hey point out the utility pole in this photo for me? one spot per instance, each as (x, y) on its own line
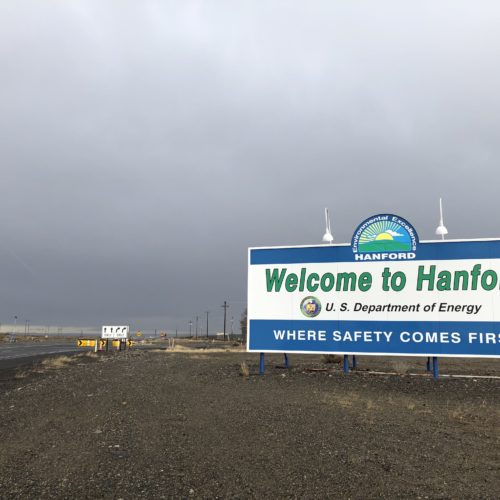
(196, 331)
(207, 323)
(225, 306)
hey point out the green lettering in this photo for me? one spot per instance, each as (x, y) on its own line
(346, 278)
(461, 275)
(386, 274)
(492, 277)
(291, 282)
(275, 280)
(476, 271)
(302, 278)
(398, 281)
(444, 281)
(365, 282)
(426, 277)
(312, 287)
(331, 281)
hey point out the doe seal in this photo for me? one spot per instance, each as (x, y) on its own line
(310, 306)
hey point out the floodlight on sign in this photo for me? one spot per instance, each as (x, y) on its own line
(327, 237)
(441, 229)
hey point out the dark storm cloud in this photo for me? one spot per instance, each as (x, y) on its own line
(145, 145)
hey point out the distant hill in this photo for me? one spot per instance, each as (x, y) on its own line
(384, 246)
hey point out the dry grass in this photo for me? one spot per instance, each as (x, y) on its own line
(55, 363)
(58, 362)
(401, 367)
(244, 370)
(462, 414)
(331, 358)
(342, 400)
(191, 350)
(364, 402)
(88, 354)
(198, 356)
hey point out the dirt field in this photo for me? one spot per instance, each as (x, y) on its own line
(167, 425)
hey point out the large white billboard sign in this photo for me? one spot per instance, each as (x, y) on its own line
(386, 293)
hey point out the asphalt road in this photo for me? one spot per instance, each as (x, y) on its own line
(17, 354)
(26, 350)
(20, 354)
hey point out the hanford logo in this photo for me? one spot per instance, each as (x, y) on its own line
(310, 306)
(385, 237)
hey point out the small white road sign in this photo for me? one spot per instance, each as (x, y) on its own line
(115, 332)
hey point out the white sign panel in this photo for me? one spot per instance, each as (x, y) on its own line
(115, 332)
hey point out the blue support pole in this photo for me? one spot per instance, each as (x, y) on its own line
(354, 362)
(428, 364)
(435, 367)
(346, 363)
(261, 364)
(286, 360)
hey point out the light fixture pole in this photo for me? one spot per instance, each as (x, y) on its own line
(441, 229)
(207, 322)
(327, 237)
(196, 331)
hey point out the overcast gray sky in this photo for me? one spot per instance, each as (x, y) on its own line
(144, 145)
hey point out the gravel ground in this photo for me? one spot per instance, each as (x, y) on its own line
(158, 424)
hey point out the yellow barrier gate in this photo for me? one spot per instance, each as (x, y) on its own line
(102, 344)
